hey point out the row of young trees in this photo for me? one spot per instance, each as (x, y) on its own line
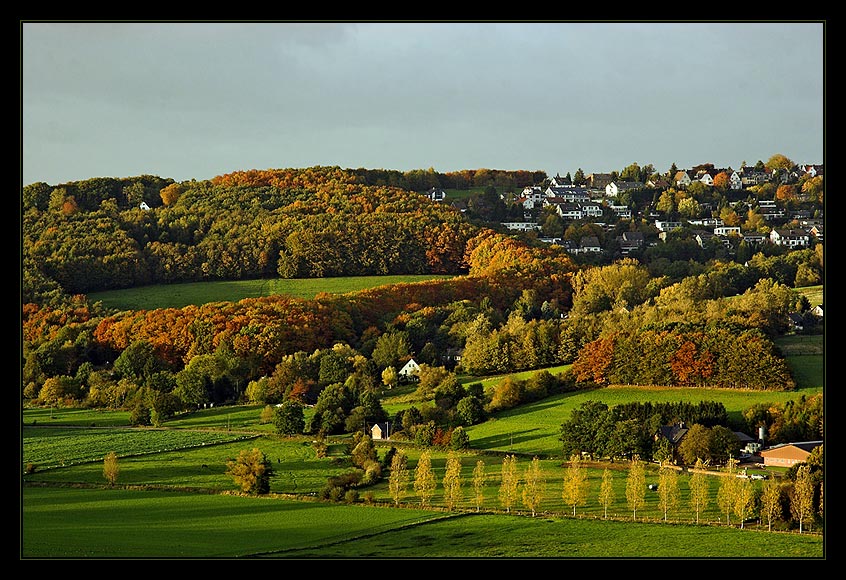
(737, 498)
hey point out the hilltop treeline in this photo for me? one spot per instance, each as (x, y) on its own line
(93, 235)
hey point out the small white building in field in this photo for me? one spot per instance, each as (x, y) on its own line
(380, 431)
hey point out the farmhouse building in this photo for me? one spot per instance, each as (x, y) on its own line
(788, 454)
(380, 431)
(410, 371)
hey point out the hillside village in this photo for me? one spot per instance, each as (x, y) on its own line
(724, 206)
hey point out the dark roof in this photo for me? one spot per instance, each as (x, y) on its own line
(589, 242)
(672, 432)
(743, 437)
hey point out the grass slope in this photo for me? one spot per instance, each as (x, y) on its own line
(198, 293)
(104, 523)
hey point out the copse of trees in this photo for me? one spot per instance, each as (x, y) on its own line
(630, 429)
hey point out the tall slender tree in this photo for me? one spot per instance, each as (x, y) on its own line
(668, 489)
(399, 479)
(802, 498)
(771, 502)
(744, 501)
(636, 486)
(424, 479)
(452, 481)
(575, 484)
(700, 489)
(479, 479)
(533, 486)
(727, 492)
(509, 482)
(606, 492)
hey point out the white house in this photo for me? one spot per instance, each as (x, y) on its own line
(521, 226)
(790, 238)
(667, 226)
(380, 431)
(615, 188)
(410, 371)
(727, 231)
(735, 180)
(682, 179)
(144, 206)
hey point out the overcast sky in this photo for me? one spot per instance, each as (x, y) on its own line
(195, 100)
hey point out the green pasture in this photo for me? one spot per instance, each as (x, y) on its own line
(199, 293)
(108, 523)
(298, 471)
(501, 536)
(188, 465)
(813, 293)
(104, 523)
(46, 447)
(534, 428)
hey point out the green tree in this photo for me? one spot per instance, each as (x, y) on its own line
(533, 486)
(700, 491)
(636, 486)
(452, 481)
(289, 418)
(251, 471)
(696, 445)
(390, 378)
(606, 492)
(771, 502)
(728, 490)
(111, 469)
(668, 489)
(745, 500)
(509, 482)
(479, 480)
(802, 497)
(424, 478)
(575, 491)
(399, 478)
(392, 349)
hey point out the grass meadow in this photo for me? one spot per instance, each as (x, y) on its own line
(199, 293)
(173, 498)
(108, 523)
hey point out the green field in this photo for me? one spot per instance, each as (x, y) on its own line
(156, 524)
(76, 518)
(813, 293)
(198, 293)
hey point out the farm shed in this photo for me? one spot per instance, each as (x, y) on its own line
(381, 431)
(788, 454)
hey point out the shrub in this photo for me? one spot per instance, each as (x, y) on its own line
(351, 496)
